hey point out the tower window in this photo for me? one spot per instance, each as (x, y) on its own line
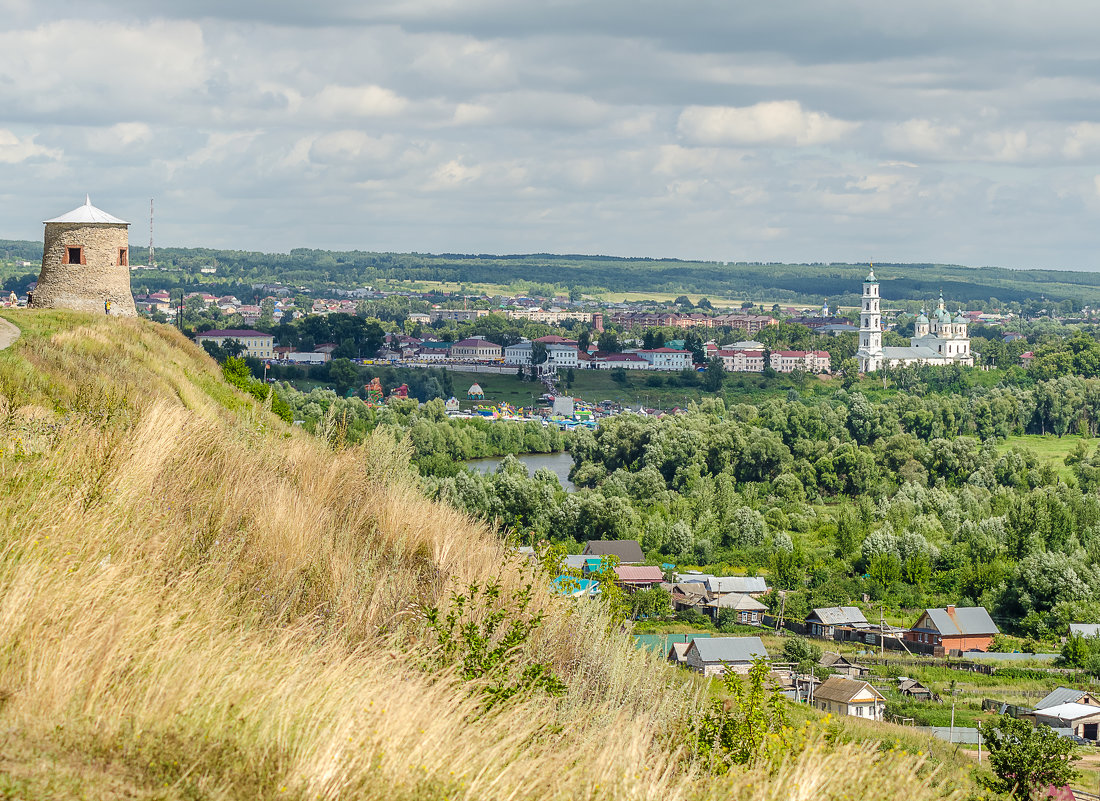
(124, 257)
(74, 256)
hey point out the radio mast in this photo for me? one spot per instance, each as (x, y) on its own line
(152, 263)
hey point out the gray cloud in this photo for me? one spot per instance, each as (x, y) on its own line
(804, 131)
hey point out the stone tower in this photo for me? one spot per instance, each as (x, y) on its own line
(85, 263)
(869, 354)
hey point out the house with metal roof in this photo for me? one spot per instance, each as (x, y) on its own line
(1082, 719)
(628, 551)
(714, 656)
(1085, 629)
(745, 585)
(824, 621)
(1067, 695)
(840, 696)
(967, 628)
(746, 609)
(638, 577)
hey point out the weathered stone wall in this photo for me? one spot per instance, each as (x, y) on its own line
(85, 287)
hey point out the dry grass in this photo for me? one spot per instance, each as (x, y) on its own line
(198, 602)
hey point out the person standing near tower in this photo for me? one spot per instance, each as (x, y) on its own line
(107, 307)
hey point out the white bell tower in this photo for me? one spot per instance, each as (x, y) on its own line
(869, 354)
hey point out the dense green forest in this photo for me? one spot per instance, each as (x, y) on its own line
(320, 271)
(908, 499)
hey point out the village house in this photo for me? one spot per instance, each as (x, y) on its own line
(1068, 695)
(967, 628)
(638, 577)
(628, 551)
(841, 696)
(713, 656)
(824, 622)
(1067, 708)
(911, 688)
(741, 585)
(1085, 629)
(677, 654)
(842, 666)
(692, 595)
(747, 609)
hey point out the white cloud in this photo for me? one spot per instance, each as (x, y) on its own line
(14, 150)
(349, 145)
(922, 137)
(534, 109)
(634, 124)
(471, 114)
(1081, 140)
(780, 122)
(91, 69)
(453, 174)
(119, 137)
(608, 127)
(359, 101)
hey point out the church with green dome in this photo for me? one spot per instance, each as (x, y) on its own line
(938, 339)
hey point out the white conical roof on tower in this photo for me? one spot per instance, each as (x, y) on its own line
(88, 214)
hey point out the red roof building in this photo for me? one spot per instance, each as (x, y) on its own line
(639, 576)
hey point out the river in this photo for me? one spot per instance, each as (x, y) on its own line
(558, 463)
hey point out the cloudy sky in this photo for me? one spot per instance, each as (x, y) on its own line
(788, 131)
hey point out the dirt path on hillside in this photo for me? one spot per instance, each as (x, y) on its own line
(8, 333)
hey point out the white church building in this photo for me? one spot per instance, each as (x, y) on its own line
(939, 340)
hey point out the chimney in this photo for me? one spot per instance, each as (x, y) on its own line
(951, 610)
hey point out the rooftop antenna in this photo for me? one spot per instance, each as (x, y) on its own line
(152, 263)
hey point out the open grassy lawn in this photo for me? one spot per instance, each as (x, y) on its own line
(660, 390)
(506, 388)
(1049, 448)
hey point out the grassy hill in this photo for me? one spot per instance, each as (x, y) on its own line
(199, 602)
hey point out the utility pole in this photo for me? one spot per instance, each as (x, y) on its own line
(881, 632)
(951, 736)
(152, 262)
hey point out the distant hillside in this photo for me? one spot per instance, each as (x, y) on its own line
(321, 270)
(199, 601)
